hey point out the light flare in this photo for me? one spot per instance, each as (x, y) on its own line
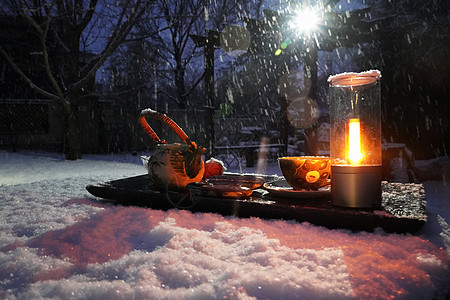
(306, 19)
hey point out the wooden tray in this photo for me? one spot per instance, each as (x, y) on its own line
(403, 205)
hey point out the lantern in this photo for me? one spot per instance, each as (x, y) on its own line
(355, 139)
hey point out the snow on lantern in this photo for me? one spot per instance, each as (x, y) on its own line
(355, 139)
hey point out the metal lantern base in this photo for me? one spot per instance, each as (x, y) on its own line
(356, 186)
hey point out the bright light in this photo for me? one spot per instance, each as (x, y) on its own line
(354, 142)
(306, 20)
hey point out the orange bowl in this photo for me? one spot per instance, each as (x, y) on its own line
(306, 172)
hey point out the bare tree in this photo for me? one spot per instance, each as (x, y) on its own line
(180, 60)
(69, 26)
(174, 21)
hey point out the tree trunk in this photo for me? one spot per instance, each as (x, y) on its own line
(181, 88)
(73, 141)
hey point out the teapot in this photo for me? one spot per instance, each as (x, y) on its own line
(172, 166)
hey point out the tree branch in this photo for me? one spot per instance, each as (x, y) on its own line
(195, 84)
(174, 99)
(26, 78)
(121, 31)
(88, 16)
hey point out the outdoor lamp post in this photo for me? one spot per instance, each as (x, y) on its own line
(355, 139)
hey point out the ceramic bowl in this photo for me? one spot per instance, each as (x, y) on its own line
(306, 172)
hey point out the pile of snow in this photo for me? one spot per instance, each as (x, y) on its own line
(58, 241)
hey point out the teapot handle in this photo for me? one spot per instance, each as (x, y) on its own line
(165, 119)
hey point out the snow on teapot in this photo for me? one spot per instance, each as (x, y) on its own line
(172, 165)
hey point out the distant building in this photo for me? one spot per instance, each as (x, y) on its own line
(27, 119)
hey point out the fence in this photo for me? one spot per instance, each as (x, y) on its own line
(107, 127)
(31, 124)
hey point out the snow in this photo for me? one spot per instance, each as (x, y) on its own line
(58, 241)
(369, 73)
(349, 5)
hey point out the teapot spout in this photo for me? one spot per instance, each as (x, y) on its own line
(194, 163)
(145, 160)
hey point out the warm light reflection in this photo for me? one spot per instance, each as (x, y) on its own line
(355, 155)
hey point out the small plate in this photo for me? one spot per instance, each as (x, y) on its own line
(225, 186)
(218, 190)
(281, 188)
(247, 181)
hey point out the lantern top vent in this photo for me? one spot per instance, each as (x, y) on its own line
(354, 79)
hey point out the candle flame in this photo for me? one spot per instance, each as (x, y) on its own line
(355, 155)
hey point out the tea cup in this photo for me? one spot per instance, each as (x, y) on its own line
(306, 172)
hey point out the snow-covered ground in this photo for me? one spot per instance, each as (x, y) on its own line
(58, 241)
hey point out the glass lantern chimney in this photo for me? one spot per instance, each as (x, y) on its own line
(355, 139)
